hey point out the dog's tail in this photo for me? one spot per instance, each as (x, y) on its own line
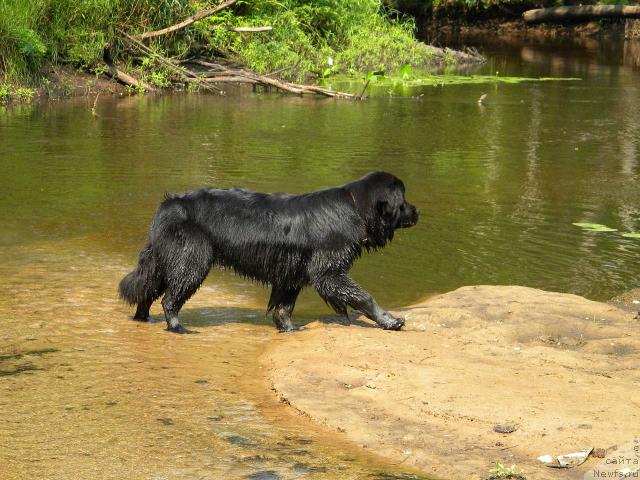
(144, 283)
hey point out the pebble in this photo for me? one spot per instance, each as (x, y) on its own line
(504, 428)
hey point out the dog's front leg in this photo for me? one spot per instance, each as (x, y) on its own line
(282, 302)
(339, 291)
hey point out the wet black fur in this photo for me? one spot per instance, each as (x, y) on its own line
(287, 241)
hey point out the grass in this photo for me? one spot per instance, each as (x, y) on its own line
(13, 92)
(71, 31)
(21, 47)
(502, 472)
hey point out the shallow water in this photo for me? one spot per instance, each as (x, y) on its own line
(87, 393)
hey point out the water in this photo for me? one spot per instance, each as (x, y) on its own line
(86, 393)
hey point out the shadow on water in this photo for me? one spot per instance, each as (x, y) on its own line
(215, 317)
(23, 365)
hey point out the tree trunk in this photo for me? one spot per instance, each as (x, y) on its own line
(579, 12)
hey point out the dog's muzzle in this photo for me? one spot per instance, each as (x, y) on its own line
(409, 217)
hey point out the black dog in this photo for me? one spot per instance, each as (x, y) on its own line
(288, 241)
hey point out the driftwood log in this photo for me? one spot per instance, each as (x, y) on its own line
(121, 76)
(581, 12)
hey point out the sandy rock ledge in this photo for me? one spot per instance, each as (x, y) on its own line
(565, 371)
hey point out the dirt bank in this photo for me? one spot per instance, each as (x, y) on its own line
(561, 369)
(515, 30)
(454, 24)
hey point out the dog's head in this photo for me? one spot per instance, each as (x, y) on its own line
(379, 197)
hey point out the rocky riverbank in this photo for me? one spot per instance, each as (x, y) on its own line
(557, 368)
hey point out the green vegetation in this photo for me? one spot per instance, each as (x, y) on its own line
(502, 472)
(597, 227)
(74, 31)
(355, 34)
(408, 83)
(12, 92)
(594, 227)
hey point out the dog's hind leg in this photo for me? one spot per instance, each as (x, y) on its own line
(187, 258)
(339, 291)
(144, 285)
(142, 310)
(282, 302)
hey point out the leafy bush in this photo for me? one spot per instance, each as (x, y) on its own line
(21, 47)
(73, 30)
(357, 34)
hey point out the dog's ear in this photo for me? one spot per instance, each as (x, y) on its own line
(386, 210)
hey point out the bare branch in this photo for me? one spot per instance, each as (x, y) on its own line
(187, 21)
(236, 75)
(249, 29)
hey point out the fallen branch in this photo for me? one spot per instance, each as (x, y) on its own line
(495, 448)
(364, 89)
(280, 70)
(222, 74)
(93, 107)
(231, 79)
(580, 12)
(237, 75)
(188, 21)
(185, 73)
(203, 63)
(218, 73)
(249, 29)
(121, 76)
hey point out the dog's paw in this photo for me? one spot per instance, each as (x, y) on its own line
(180, 329)
(393, 323)
(292, 329)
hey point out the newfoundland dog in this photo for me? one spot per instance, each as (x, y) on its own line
(287, 241)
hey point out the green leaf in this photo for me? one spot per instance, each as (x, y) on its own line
(631, 235)
(595, 227)
(406, 72)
